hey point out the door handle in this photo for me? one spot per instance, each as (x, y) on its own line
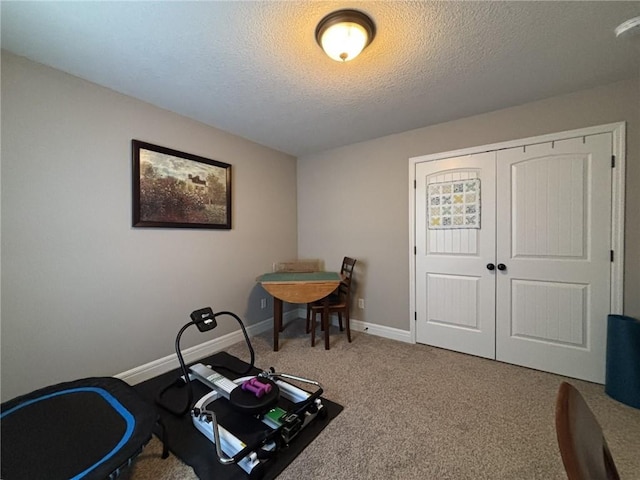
(502, 267)
(490, 266)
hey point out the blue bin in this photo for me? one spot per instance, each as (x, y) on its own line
(622, 381)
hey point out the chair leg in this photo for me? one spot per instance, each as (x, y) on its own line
(313, 328)
(308, 318)
(340, 321)
(346, 320)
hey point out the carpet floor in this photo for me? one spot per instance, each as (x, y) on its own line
(418, 412)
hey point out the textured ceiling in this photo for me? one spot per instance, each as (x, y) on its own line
(254, 69)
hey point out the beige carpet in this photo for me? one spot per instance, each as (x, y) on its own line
(417, 412)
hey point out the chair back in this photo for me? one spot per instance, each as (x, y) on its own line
(344, 289)
(347, 267)
(583, 448)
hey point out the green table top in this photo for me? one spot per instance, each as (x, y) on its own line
(300, 277)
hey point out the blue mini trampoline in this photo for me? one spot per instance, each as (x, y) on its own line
(85, 429)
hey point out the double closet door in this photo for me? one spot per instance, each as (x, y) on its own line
(512, 258)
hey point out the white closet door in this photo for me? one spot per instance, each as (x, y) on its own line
(455, 292)
(554, 238)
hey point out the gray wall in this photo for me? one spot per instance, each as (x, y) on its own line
(84, 293)
(355, 200)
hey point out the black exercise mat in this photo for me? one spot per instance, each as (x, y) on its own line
(194, 449)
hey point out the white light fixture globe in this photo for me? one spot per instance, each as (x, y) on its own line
(344, 34)
(628, 28)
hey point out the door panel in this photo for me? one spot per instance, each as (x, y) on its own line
(452, 300)
(455, 293)
(553, 235)
(550, 182)
(561, 305)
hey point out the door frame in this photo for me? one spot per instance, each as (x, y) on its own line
(618, 132)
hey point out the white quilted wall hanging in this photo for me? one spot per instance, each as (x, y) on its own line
(454, 204)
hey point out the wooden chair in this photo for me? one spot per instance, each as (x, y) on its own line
(583, 448)
(339, 302)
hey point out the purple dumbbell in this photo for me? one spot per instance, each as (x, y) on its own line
(256, 387)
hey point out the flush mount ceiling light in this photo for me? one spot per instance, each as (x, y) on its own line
(344, 34)
(628, 28)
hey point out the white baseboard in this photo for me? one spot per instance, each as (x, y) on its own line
(170, 362)
(381, 331)
(372, 328)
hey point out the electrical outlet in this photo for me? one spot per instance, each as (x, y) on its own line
(263, 303)
(361, 303)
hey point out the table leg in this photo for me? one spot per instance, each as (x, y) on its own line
(277, 321)
(325, 321)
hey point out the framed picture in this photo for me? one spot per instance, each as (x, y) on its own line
(179, 190)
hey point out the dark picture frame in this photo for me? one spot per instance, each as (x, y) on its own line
(174, 189)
